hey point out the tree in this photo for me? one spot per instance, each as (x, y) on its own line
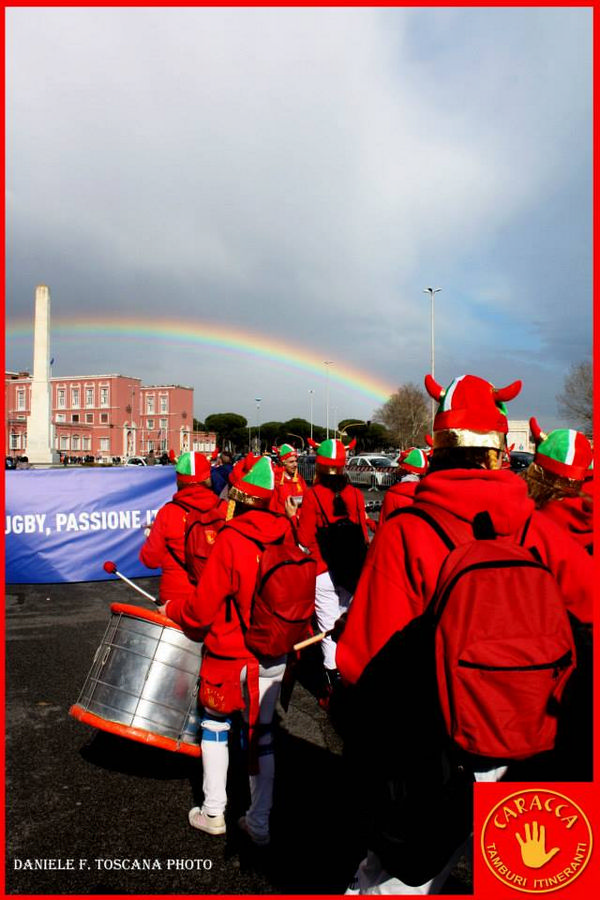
(199, 426)
(406, 416)
(225, 425)
(576, 402)
(369, 435)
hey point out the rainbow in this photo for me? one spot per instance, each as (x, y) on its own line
(230, 340)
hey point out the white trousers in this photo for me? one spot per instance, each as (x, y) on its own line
(215, 752)
(372, 878)
(330, 603)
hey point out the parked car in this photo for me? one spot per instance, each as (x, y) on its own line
(520, 460)
(374, 470)
(135, 461)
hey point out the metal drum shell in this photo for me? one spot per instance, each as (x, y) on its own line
(143, 682)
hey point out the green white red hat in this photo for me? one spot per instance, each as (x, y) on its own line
(331, 454)
(471, 412)
(564, 451)
(192, 468)
(286, 450)
(257, 486)
(414, 460)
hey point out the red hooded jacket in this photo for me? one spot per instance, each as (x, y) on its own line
(168, 531)
(576, 515)
(310, 516)
(400, 494)
(286, 486)
(404, 560)
(231, 570)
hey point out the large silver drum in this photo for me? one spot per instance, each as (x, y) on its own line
(143, 683)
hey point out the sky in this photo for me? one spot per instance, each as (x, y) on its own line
(227, 198)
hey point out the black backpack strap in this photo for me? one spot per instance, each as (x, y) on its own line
(525, 530)
(426, 517)
(321, 507)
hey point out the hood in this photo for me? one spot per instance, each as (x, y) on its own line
(197, 497)
(261, 525)
(465, 492)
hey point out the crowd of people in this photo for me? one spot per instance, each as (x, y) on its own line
(378, 616)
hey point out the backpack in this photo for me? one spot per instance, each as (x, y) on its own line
(502, 643)
(344, 549)
(283, 602)
(202, 528)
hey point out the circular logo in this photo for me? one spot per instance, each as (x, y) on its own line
(536, 840)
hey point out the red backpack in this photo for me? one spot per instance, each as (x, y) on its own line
(284, 599)
(201, 532)
(504, 646)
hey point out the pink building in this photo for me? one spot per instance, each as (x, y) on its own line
(106, 416)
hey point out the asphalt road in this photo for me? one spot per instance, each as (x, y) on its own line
(92, 813)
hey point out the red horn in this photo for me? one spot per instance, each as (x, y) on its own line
(352, 444)
(538, 434)
(312, 443)
(509, 392)
(434, 389)
(429, 440)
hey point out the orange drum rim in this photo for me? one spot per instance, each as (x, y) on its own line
(141, 735)
(138, 612)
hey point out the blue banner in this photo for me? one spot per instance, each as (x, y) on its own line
(62, 525)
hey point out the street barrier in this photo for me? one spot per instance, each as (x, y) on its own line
(61, 525)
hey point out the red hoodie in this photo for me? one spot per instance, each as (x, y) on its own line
(230, 571)
(576, 515)
(400, 494)
(168, 531)
(404, 561)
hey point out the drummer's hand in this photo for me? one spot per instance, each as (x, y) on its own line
(163, 609)
(290, 508)
(338, 629)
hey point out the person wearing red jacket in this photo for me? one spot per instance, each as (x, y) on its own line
(401, 572)
(330, 499)
(556, 480)
(288, 480)
(232, 678)
(411, 466)
(165, 546)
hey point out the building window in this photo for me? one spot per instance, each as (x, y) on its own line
(103, 396)
(21, 399)
(164, 404)
(89, 396)
(15, 443)
(89, 417)
(75, 417)
(85, 443)
(105, 444)
(103, 418)
(149, 403)
(150, 424)
(60, 417)
(62, 398)
(164, 424)
(75, 442)
(75, 398)
(64, 442)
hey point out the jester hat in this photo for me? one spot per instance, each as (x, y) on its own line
(564, 451)
(471, 412)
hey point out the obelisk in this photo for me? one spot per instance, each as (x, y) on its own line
(39, 425)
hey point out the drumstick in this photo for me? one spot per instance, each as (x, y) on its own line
(312, 640)
(111, 567)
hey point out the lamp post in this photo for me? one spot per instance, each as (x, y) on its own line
(327, 363)
(311, 395)
(432, 292)
(258, 402)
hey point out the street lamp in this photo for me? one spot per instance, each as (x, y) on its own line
(327, 363)
(311, 395)
(258, 402)
(432, 292)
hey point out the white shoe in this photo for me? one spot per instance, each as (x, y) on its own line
(261, 840)
(203, 822)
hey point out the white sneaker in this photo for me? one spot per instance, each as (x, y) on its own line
(203, 822)
(261, 840)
